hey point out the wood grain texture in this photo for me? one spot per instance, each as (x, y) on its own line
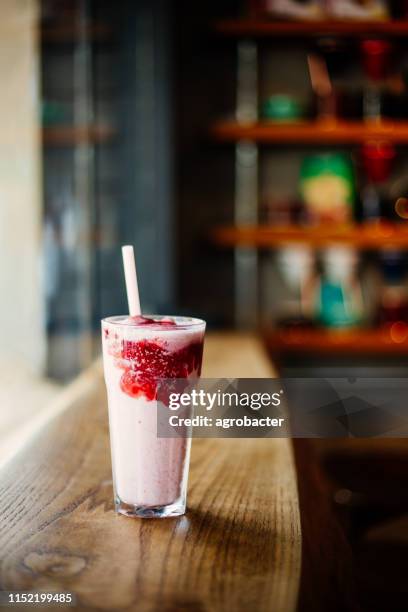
(236, 355)
(237, 548)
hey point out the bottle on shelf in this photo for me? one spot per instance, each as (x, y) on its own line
(377, 159)
(307, 10)
(282, 107)
(295, 9)
(393, 306)
(327, 101)
(335, 94)
(340, 302)
(376, 58)
(327, 188)
(297, 267)
(357, 10)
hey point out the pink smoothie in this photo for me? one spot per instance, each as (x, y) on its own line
(147, 470)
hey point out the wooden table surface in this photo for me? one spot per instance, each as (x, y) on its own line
(239, 547)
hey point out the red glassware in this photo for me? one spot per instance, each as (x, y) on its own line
(378, 157)
(376, 58)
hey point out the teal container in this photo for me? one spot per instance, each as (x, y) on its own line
(340, 299)
(281, 107)
(335, 311)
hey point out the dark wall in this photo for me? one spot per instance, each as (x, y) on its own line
(204, 78)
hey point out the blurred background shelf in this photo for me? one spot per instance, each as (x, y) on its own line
(71, 33)
(392, 340)
(334, 133)
(359, 236)
(73, 135)
(264, 27)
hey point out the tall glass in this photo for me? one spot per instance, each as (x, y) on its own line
(149, 473)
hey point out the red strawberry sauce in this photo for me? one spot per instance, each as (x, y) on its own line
(146, 361)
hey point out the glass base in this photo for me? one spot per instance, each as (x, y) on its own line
(141, 511)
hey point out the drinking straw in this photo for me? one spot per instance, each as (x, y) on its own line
(132, 289)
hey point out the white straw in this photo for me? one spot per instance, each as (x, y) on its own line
(132, 289)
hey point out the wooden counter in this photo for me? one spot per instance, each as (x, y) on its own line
(239, 547)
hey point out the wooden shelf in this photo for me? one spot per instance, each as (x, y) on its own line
(315, 133)
(71, 135)
(370, 236)
(69, 33)
(357, 341)
(270, 28)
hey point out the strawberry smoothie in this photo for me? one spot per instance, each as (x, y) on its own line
(149, 473)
